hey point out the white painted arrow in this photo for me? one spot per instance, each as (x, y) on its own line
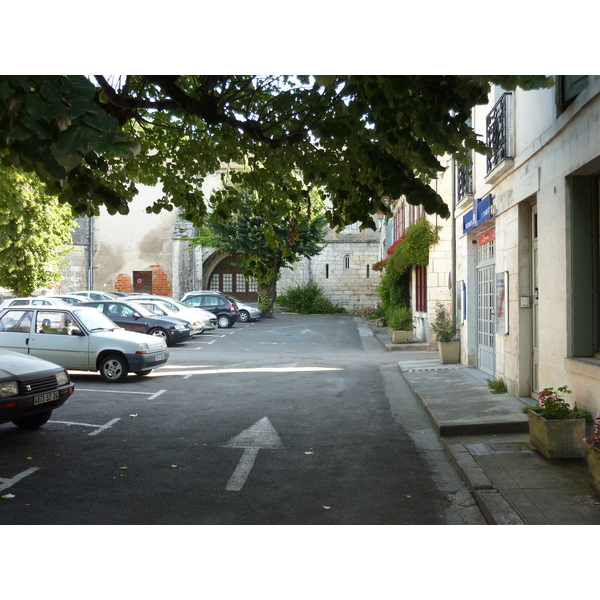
(261, 435)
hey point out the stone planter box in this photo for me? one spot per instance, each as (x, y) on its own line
(401, 337)
(593, 464)
(449, 352)
(557, 439)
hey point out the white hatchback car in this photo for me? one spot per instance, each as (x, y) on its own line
(209, 320)
(37, 301)
(80, 338)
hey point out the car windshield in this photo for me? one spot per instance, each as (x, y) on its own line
(93, 319)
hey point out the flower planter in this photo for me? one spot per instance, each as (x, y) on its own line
(557, 439)
(593, 464)
(401, 337)
(449, 352)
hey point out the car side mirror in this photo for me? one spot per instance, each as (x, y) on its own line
(77, 331)
(136, 315)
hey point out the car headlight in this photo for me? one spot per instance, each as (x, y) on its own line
(8, 388)
(62, 378)
(180, 327)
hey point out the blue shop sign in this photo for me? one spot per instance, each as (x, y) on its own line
(480, 213)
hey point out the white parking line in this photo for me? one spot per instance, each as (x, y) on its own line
(100, 428)
(157, 394)
(8, 482)
(80, 389)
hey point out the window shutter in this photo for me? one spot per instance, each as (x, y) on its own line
(584, 247)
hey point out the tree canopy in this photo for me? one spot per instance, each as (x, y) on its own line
(263, 248)
(35, 233)
(357, 138)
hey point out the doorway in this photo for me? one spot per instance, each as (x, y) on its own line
(142, 282)
(486, 288)
(534, 303)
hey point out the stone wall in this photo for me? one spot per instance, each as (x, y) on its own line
(342, 269)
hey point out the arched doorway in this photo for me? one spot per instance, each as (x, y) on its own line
(228, 278)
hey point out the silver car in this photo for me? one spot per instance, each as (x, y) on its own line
(209, 321)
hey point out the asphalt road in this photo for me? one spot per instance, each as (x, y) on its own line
(293, 420)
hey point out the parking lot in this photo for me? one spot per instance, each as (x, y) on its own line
(280, 421)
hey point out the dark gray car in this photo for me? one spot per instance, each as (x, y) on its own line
(30, 389)
(134, 317)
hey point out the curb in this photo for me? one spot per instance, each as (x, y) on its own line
(495, 508)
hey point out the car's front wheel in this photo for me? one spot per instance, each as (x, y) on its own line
(113, 368)
(161, 333)
(33, 421)
(224, 321)
(244, 316)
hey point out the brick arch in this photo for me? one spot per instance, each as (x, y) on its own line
(161, 284)
(123, 283)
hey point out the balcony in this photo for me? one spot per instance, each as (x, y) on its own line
(498, 139)
(464, 183)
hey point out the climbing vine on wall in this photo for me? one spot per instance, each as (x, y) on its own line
(410, 250)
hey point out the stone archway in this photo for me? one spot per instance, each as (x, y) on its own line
(228, 278)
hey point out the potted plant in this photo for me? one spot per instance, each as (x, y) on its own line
(592, 449)
(400, 324)
(555, 428)
(444, 328)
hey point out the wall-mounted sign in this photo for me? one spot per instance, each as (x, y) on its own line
(480, 213)
(461, 302)
(502, 303)
(485, 238)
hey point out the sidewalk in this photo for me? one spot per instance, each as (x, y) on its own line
(487, 438)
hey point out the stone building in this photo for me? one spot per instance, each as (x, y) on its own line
(528, 241)
(151, 253)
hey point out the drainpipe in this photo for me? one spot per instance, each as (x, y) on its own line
(91, 256)
(453, 289)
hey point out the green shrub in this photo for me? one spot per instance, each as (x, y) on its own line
(442, 325)
(308, 299)
(399, 318)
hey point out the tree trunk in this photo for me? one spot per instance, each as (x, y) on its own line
(271, 290)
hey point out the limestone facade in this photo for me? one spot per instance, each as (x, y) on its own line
(536, 263)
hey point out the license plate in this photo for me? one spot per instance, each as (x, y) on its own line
(159, 357)
(42, 398)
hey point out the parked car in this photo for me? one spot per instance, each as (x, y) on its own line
(38, 301)
(249, 311)
(81, 338)
(209, 320)
(71, 300)
(226, 310)
(92, 295)
(30, 389)
(162, 309)
(134, 317)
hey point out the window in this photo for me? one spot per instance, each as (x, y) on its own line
(368, 271)
(326, 271)
(399, 227)
(568, 87)
(421, 289)
(227, 282)
(585, 271)
(346, 262)
(16, 320)
(54, 323)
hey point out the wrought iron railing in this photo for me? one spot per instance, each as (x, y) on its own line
(498, 132)
(464, 181)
